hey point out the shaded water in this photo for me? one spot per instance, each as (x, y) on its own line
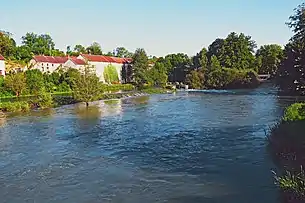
(184, 147)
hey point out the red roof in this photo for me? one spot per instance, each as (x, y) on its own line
(77, 61)
(1, 58)
(109, 59)
(51, 59)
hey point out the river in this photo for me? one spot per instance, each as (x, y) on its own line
(184, 147)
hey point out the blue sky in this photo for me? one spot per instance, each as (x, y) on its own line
(159, 26)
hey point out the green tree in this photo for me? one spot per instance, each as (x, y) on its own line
(34, 81)
(95, 49)
(271, 57)
(237, 52)
(23, 53)
(79, 49)
(110, 74)
(291, 74)
(201, 59)
(87, 86)
(215, 48)
(140, 67)
(157, 75)
(122, 52)
(7, 44)
(39, 44)
(16, 83)
(214, 64)
(195, 79)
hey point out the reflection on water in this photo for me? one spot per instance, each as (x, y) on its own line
(186, 147)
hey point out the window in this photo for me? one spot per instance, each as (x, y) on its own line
(52, 64)
(47, 68)
(0, 72)
(47, 64)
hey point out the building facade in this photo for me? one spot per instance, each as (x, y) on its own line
(2, 66)
(104, 65)
(101, 63)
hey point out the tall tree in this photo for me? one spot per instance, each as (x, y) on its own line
(7, 44)
(39, 44)
(79, 49)
(34, 81)
(140, 67)
(95, 49)
(215, 48)
(16, 83)
(271, 57)
(291, 75)
(87, 87)
(157, 75)
(122, 52)
(237, 52)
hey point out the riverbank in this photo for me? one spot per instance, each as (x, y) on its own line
(42, 101)
(286, 144)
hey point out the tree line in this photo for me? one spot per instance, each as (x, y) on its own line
(230, 62)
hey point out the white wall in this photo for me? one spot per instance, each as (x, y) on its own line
(44, 66)
(2, 67)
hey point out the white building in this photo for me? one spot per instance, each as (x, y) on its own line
(47, 63)
(2, 66)
(101, 62)
(74, 62)
(52, 63)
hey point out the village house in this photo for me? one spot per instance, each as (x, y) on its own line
(47, 63)
(52, 63)
(2, 66)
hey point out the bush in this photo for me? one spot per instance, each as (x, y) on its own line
(15, 106)
(43, 100)
(295, 112)
(228, 78)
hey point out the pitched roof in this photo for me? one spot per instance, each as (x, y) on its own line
(77, 61)
(51, 59)
(109, 59)
(1, 58)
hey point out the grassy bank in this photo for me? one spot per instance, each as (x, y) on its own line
(286, 144)
(47, 100)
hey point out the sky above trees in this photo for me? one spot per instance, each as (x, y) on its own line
(159, 26)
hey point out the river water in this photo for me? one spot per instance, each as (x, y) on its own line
(185, 147)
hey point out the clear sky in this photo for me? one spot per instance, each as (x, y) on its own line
(159, 26)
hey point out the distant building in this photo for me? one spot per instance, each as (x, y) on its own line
(101, 62)
(47, 63)
(2, 66)
(74, 62)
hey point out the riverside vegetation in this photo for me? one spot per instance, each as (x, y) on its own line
(286, 141)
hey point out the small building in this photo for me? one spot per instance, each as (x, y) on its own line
(2, 66)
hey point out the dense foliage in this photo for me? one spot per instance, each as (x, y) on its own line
(291, 78)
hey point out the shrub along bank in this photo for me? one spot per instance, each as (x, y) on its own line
(286, 144)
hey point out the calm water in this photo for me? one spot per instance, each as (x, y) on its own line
(184, 147)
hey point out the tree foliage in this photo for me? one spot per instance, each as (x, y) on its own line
(110, 74)
(140, 67)
(271, 56)
(291, 74)
(95, 49)
(87, 86)
(16, 83)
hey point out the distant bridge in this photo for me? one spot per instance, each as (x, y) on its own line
(264, 78)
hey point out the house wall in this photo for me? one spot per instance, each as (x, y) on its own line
(2, 67)
(44, 66)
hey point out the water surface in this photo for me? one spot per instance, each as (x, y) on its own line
(185, 147)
